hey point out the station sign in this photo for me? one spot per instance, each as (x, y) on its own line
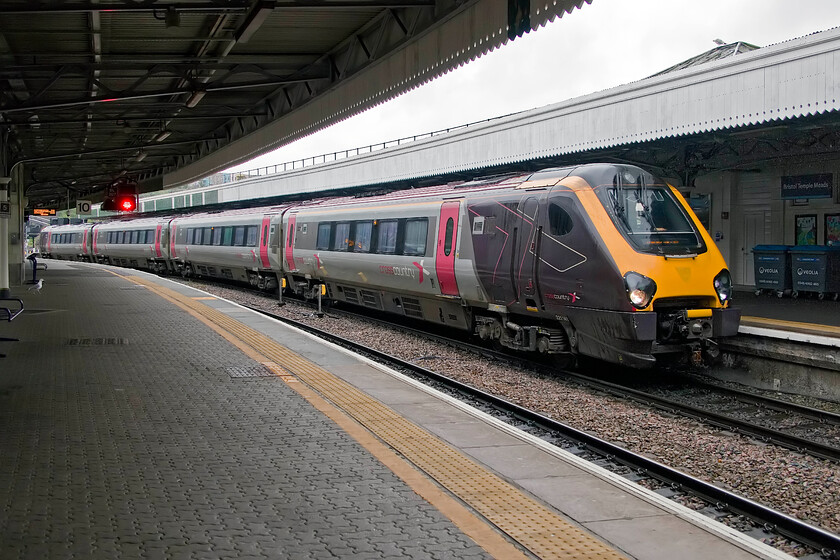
(5, 209)
(83, 207)
(808, 186)
(44, 212)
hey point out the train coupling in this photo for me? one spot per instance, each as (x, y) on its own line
(696, 323)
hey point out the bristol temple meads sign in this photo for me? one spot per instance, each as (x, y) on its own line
(808, 186)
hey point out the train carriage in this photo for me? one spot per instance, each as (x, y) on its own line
(380, 253)
(238, 245)
(136, 243)
(71, 242)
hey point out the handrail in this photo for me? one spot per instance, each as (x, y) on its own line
(10, 316)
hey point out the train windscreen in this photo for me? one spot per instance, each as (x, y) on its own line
(649, 216)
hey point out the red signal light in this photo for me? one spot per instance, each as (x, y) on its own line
(127, 203)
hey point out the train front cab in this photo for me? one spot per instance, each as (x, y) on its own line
(666, 289)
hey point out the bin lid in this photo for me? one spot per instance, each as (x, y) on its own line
(771, 248)
(815, 249)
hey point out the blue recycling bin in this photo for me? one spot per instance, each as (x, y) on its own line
(772, 268)
(815, 268)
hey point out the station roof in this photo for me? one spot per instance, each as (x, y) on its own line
(168, 91)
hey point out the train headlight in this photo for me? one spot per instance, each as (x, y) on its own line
(723, 286)
(640, 289)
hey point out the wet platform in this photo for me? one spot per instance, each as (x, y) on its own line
(140, 418)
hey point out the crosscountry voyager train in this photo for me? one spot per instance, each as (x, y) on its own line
(597, 260)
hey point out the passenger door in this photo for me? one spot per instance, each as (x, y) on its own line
(526, 249)
(446, 250)
(290, 243)
(264, 229)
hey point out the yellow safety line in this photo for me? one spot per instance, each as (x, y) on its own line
(811, 328)
(537, 528)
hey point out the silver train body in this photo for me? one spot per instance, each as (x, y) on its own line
(599, 260)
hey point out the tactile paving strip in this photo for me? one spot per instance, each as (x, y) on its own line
(537, 528)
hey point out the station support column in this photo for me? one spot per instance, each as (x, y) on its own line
(5, 241)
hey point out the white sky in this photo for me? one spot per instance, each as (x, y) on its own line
(603, 45)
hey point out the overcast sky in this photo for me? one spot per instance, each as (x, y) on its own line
(605, 44)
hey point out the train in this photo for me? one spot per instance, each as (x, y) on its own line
(603, 261)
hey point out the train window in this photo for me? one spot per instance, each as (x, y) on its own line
(227, 236)
(415, 237)
(386, 237)
(364, 231)
(324, 234)
(207, 238)
(150, 236)
(132, 236)
(341, 236)
(239, 236)
(251, 238)
(120, 237)
(265, 236)
(559, 221)
(447, 238)
(217, 236)
(198, 233)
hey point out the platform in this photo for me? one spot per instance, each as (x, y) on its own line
(143, 418)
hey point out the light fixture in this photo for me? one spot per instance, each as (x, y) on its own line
(195, 98)
(141, 155)
(164, 134)
(173, 18)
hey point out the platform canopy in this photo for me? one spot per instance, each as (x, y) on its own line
(169, 91)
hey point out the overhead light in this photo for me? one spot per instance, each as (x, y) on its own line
(173, 18)
(164, 134)
(141, 155)
(195, 98)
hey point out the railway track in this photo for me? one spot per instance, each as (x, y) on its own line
(751, 517)
(796, 427)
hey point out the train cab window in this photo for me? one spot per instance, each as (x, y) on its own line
(447, 238)
(415, 237)
(559, 221)
(324, 235)
(386, 237)
(362, 237)
(251, 237)
(217, 236)
(239, 236)
(341, 236)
